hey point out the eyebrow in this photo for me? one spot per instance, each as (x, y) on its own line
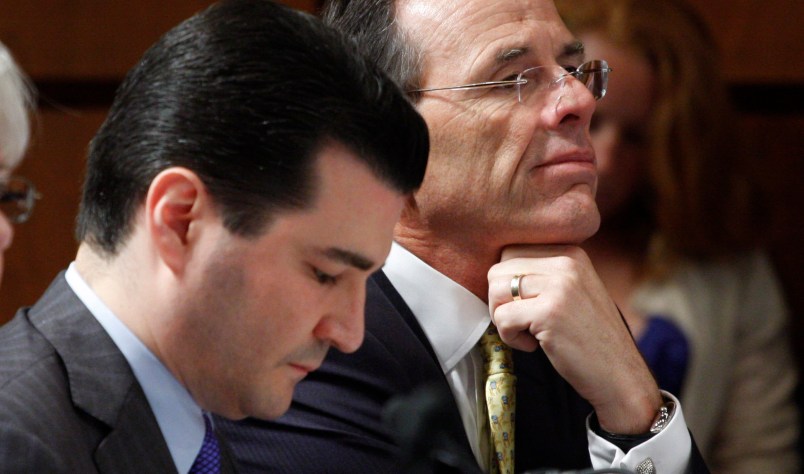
(508, 55)
(348, 257)
(571, 49)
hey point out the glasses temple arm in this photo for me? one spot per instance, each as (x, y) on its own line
(477, 85)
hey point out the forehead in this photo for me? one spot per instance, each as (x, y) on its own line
(480, 32)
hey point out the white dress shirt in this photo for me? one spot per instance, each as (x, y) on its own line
(180, 419)
(453, 319)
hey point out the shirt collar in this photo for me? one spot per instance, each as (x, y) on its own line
(180, 419)
(452, 317)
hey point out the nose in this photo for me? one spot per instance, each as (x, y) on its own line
(570, 105)
(343, 327)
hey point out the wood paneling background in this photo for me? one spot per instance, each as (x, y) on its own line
(77, 51)
(761, 41)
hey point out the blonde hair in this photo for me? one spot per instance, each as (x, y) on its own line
(702, 205)
(16, 104)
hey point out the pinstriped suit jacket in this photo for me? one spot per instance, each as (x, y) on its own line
(69, 401)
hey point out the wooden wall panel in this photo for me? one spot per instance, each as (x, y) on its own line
(775, 147)
(78, 50)
(90, 39)
(762, 41)
(87, 39)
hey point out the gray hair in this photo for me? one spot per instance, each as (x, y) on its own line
(372, 25)
(16, 103)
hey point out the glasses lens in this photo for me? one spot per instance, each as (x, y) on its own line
(595, 76)
(536, 80)
(17, 199)
(592, 74)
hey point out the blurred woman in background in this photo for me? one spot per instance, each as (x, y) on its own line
(17, 195)
(678, 246)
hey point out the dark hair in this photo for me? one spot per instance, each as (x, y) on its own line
(245, 94)
(372, 25)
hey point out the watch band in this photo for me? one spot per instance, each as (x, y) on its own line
(663, 417)
(628, 441)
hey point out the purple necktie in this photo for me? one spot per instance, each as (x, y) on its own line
(208, 460)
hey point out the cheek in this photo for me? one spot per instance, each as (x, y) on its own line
(474, 131)
(503, 141)
(472, 149)
(507, 134)
(6, 233)
(285, 318)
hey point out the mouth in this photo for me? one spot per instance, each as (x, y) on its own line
(577, 166)
(304, 369)
(583, 157)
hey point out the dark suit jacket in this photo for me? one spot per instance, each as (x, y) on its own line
(69, 401)
(334, 423)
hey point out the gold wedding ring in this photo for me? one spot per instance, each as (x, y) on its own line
(515, 292)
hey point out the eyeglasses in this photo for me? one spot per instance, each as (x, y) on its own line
(533, 82)
(17, 198)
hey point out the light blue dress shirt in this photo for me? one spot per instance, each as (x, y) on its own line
(179, 417)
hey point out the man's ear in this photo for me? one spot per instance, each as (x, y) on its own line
(176, 202)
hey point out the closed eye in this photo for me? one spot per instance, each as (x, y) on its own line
(500, 87)
(324, 278)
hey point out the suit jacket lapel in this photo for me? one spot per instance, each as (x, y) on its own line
(135, 444)
(102, 384)
(386, 288)
(419, 352)
(227, 458)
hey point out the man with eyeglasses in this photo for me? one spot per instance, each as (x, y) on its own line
(17, 198)
(243, 188)
(491, 237)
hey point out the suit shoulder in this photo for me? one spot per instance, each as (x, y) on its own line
(40, 428)
(23, 451)
(33, 382)
(23, 351)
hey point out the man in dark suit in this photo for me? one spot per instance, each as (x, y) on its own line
(492, 236)
(244, 186)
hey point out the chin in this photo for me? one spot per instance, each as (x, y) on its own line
(577, 222)
(575, 235)
(277, 408)
(272, 403)
(264, 405)
(588, 231)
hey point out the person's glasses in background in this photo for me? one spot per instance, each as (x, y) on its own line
(17, 198)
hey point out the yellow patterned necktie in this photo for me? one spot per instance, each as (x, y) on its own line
(498, 365)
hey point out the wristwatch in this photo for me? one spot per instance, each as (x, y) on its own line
(663, 417)
(628, 441)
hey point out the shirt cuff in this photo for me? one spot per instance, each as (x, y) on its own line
(669, 451)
